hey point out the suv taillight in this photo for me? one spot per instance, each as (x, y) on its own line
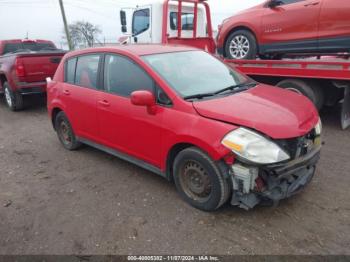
(20, 72)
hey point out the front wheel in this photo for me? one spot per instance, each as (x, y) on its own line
(199, 180)
(241, 45)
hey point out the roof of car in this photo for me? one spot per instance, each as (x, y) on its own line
(137, 49)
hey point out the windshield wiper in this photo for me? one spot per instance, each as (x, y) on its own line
(234, 88)
(199, 96)
(237, 88)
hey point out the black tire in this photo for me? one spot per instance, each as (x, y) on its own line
(191, 160)
(307, 88)
(14, 100)
(65, 132)
(253, 46)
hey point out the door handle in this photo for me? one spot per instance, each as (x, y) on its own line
(311, 4)
(104, 103)
(66, 92)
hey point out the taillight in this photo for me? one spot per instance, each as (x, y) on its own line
(20, 72)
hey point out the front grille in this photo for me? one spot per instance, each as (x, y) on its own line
(298, 147)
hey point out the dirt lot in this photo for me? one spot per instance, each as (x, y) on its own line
(87, 202)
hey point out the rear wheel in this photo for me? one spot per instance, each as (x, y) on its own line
(199, 180)
(307, 88)
(14, 100)
(65, 132)
(241, 44)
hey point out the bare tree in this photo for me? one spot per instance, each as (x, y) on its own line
(83, 33)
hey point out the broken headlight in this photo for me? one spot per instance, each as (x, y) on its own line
(253, 147)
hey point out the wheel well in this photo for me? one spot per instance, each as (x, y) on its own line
(3, 79)
(236, 29)
(174, 151)
(55, 111)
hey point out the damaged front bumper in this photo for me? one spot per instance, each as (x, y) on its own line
(272, 183)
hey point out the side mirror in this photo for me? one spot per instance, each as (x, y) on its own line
(123, 18)
(144, 98)
(124, 29)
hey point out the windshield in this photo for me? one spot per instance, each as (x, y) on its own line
(193, 73)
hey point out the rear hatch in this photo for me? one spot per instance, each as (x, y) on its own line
(38, 66)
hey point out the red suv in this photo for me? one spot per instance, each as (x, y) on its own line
(186, 116)
(278, 27)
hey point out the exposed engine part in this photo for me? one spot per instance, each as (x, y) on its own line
(244, 178)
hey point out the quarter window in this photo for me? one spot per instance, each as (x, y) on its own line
(87, 71)
(140, 21)
(70, 70)
(122, 76)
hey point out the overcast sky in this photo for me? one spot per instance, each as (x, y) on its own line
(41, 19)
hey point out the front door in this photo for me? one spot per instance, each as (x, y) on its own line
(292, 25)
(123, 126)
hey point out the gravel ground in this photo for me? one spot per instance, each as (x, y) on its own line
(87, 202)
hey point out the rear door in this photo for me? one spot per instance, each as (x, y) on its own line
(292, 25)
(142, 25)
(334, 28)
(80, 92)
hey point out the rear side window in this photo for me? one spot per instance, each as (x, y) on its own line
(70, 70)
(186, 21)
(87, 71)
(140, 21)
(122, 76)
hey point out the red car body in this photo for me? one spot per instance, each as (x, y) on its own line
(293, 26)
(152, 136)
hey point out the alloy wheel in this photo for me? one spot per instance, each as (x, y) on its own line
(239, 47)
(8, 97)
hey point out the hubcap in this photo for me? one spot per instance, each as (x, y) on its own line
(195, 181)
(65, 133)
(239, 47)
(8, 97)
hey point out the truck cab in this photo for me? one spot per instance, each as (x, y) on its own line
(185, 22)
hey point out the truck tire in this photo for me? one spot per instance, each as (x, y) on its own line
(309, 89)
(199, 181)
(65, 132)
(240, 45)
(14, 100)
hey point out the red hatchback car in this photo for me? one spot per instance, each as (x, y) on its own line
(278, 27)
(188, 117)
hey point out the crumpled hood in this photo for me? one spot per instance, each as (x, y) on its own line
(275, 112)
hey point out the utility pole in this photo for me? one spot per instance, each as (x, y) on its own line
(66, 25)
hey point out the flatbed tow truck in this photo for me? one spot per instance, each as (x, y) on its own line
(325, 79)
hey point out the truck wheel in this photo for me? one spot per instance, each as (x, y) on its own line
(14, 100)
(65, 132)
(307, 88)
(199, 180)
(240, 45)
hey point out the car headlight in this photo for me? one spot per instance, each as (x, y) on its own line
(318, 127)
(254, 147)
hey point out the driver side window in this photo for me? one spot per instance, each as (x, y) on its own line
(287, 2)
(122, 76)
(140, 21)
